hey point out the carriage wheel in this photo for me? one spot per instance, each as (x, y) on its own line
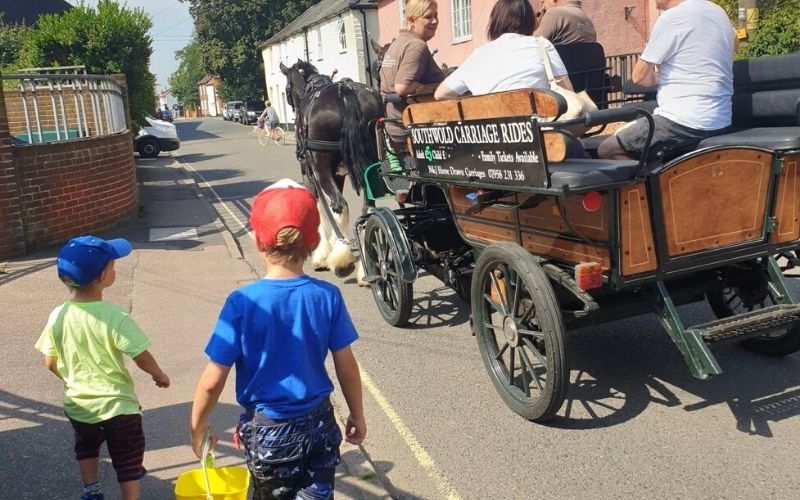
(744, 287)
(520, 331)
(392, 294)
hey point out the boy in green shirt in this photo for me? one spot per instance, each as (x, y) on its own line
(83, 345)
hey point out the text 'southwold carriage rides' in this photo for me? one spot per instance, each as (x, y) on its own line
(540, 242)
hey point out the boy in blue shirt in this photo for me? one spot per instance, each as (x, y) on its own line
(277, 331)
(83, 343)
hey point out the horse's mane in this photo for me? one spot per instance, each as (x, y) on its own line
(307, 68)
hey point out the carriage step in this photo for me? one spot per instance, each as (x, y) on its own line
(373, 278)
(750, 324)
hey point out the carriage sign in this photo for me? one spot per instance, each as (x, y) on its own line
(501, 151)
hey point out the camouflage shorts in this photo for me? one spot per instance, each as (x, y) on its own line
(294, 458)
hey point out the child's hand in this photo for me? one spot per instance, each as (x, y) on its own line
(197, 442)
(355, 430)
(161, 380)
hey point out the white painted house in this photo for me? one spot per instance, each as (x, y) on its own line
(332, 35)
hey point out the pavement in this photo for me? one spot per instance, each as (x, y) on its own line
(184, 264)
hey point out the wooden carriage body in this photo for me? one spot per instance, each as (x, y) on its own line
(660, 233)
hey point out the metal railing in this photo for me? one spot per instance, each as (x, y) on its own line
(620, 65)
(60, 107)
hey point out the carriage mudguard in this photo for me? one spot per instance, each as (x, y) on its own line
(399, 236)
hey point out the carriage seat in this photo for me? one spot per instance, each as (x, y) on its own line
(581, 174)
(772, 138)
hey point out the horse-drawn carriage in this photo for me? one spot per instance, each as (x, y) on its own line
(539, 242)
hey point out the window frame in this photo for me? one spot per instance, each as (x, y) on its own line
(459, 8)
(402, 11)
(341, 35)
(320, 50)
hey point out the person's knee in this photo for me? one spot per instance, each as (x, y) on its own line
(610, 149)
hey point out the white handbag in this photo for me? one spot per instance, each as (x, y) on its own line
(577, 102)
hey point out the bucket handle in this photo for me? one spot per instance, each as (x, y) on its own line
(207, 462)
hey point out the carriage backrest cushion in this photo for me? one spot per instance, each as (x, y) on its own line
(586, 66)
(766, 91)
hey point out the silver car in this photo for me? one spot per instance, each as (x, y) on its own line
(231, 110)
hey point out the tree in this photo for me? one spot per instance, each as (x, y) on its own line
(229, 32)
(183, 81)
(110, 39)
(778, 30)
(12, 36)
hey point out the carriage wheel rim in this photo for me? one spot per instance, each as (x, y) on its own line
(513, 340)
(381, 252)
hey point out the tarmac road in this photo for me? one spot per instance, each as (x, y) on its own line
(635, 423)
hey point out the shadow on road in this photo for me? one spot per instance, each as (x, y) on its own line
(615, 378)
(201, 157)
(187, 131)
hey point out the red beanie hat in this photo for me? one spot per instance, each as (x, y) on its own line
(277, 208)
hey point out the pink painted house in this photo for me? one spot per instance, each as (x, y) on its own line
(622, 25)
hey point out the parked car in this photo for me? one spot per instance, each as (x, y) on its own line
(249, 112)
(231, 109)
(156, 137)
(166, 115)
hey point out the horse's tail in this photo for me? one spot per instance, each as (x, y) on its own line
(357, 144)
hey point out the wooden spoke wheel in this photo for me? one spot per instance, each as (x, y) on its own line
(520, 331)
(392, 294)
(745, 287)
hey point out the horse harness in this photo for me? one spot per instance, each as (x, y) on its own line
(314, 87)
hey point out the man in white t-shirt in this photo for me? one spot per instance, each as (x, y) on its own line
(690, 57)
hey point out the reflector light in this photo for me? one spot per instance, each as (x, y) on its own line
(592, 201)
(589, 275)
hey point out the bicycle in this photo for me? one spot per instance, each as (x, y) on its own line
(278, 136)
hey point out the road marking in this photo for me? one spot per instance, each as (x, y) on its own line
(420, 455)
(173, 233)
(206, 184)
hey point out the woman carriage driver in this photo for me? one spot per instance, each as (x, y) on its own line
(408, 68)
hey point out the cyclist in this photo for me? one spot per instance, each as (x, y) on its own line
(270, 116)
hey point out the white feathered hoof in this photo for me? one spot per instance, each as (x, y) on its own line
(360, 275)
(341, 259)
(343, 272)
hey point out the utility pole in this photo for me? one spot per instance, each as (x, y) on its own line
(748, 18)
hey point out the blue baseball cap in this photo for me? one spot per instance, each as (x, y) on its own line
(84, 258)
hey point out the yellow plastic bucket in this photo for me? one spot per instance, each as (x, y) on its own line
(225, 483)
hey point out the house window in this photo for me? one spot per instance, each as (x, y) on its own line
(461, 19)
(319, 43)
(340, 29)
(403, 23)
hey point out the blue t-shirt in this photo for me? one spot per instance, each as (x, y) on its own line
(278, 333)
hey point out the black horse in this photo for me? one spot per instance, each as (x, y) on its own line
(335, 130)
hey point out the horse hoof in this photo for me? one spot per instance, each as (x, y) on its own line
(319, 269)
(343, 272)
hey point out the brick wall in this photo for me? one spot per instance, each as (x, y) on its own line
(11, 231)
(75, 187)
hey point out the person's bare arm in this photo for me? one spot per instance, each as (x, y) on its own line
(350, 381)
(209, 387)
(644, 74)
(147, 363)
(564, 81)
(51, 363)
(414, 88)
(444, 92)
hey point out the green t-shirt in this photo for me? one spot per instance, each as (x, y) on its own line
(89, 340)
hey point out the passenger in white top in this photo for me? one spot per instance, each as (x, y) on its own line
(690, 58)
(511, 60)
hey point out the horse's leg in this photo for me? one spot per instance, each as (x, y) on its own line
(334, 254)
